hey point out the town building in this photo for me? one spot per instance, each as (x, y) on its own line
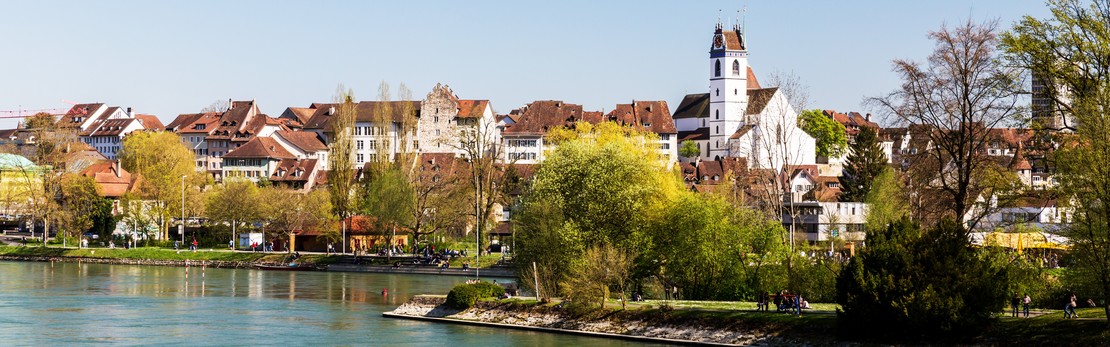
(739, 118)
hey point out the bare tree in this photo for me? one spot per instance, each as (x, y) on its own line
(218, 106)
(960, 93)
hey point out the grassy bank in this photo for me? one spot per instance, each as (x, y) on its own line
(819, 325)
(154, 253)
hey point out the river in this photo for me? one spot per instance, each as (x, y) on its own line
(66, 304)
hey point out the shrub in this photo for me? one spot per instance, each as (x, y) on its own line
(920, 282)
(465, 295)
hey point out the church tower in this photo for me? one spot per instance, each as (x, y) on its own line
(728, 85)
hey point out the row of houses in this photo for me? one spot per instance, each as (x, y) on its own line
(741, 129)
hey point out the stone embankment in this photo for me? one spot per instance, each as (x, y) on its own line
(647, 327)
(128, 261)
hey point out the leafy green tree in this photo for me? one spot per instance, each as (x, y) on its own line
(832, 138)
(78, 203)
(696, 248)
(592, 190)
(886, 202)
(689, 149)
(917, 282)
(387, 195)
(866, 161)
(1068, 51)
(161, 160)
(235, 203)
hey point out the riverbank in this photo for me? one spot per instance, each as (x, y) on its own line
(223, 259)
(646, 323)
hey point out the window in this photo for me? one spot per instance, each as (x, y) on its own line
(415, 144)
(373, 144)
(736, 67)
(717, 69)
(717, 114)
(358, 144)
(437, 132)
(717, 91)
(735, 92)
(717, 129)
(360, 158)
(665, 145)
(436, 118)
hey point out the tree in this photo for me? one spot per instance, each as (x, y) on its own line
(919, 282)
(689, 149)
(600, 268)
(480, 147)
(959, 95)
(886, 201)
(701, 243)
(218, 106)
(866, 161)
(387, 195)
(161, 160)
(40, 121)
(1069, 52)
(79, 204)
(287, 210)
(599, 189)
(234, 203)
(831, 136)
(341, 172)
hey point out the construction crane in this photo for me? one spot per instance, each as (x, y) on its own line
(22, 113)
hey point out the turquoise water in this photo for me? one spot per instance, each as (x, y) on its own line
(66, 304)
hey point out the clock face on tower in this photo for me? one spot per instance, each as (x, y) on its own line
(717, 41)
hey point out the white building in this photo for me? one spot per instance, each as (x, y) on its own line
(104, 128)
(738, 118)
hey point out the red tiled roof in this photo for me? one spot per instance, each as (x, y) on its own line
(472, 108)
(652, 116)
(260, 147)
(540, 116)
(111, 127)
(365, 111)
(150, 122)
(113, 182)
(753, 83)
(304, 140)
(758, 99)
(294, 170)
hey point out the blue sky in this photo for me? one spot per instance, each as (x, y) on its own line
(167, 58)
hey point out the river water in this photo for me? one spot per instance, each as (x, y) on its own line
(66, 304)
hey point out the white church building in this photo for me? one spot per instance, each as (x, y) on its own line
(738, 117)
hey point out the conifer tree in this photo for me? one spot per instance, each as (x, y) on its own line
(865, 162)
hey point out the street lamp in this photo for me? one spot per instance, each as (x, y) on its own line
(182, 230)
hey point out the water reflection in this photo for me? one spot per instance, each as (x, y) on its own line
(44, 304)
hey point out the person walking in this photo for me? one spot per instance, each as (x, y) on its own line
(1071, 306)
(1025, 304)
(1014, 301)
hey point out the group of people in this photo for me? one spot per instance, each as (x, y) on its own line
(1016, 301)
(784, 302)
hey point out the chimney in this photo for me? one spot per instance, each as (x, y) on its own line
(331, 111)
(129, 115)
(115, 167)
(867, 117)
(229, 103)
